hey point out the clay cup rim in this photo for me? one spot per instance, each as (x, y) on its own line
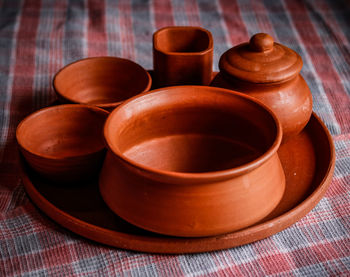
(158, 47)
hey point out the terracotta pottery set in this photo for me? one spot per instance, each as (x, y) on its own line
(184, 167)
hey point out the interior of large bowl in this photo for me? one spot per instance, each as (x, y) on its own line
(63, 131)
(182, 40)
(101, 81)
(191, 129)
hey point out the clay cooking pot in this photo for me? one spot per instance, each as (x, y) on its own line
(192, 161)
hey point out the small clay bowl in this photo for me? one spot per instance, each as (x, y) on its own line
(101, 81)
(64, 143)
(192, 161)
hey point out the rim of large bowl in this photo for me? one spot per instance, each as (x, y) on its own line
(102, 105)
(201, 176)
(43, 110)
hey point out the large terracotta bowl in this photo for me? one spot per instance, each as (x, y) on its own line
(64, 143)
(192, 161)
(101, 81)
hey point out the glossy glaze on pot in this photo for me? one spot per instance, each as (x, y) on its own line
(269, 72)
(64, 143)
(192, 161)
(182, 55)
(101, 81)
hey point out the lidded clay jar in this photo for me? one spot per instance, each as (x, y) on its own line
(269, 72)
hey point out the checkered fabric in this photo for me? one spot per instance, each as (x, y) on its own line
(38, 37)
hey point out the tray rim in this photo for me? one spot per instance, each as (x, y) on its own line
(174, 245)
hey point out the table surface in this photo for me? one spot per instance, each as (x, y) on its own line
(37, 38)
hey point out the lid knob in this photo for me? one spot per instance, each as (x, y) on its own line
(261, 42)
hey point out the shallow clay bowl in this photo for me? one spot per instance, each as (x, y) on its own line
(64, 143)
(101, 81)
(192, 161)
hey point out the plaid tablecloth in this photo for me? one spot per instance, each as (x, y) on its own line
(39, 37)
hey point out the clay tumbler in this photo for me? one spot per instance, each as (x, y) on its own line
(182, 56)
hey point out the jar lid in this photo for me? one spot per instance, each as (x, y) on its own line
(261, 61)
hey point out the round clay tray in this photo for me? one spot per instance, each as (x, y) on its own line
(308, 161)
